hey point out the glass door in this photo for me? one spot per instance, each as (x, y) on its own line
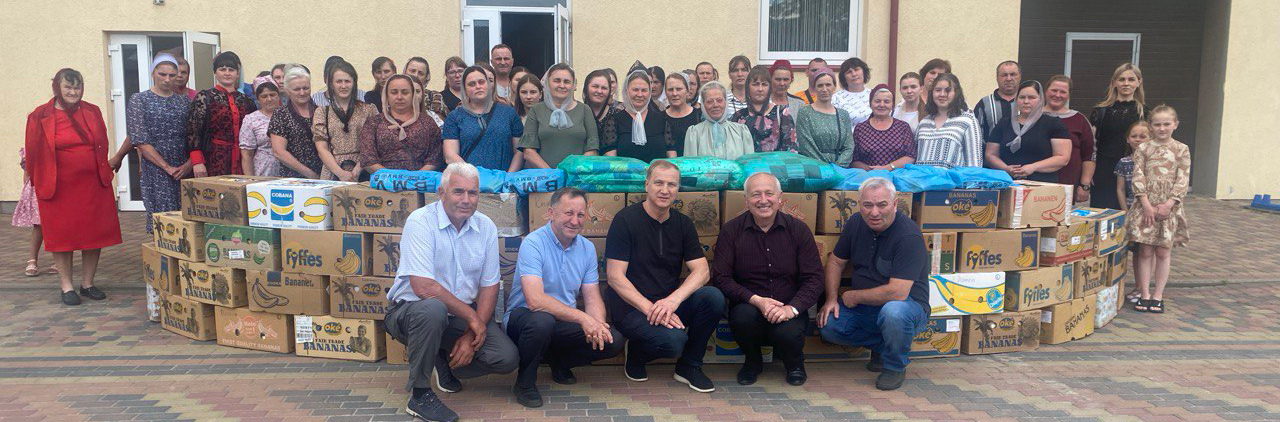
(199, 49)
(481, 30)
(563, 32)
(130, 56)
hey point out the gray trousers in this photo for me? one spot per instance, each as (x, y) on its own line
(429, 332)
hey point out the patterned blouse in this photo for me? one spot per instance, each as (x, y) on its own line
(380, 144)
(1124, 169)
(733, 103)
(857, 104)
(773, 130)
(342, 139)
(957, 143)
(212, 128)
(253, 137)
(296, 130)
(875, 147)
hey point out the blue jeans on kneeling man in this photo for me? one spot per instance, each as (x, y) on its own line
(887, 330)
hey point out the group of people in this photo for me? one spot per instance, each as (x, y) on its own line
(766, 276)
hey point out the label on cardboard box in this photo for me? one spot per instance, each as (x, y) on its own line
(359, 297)
(384, 259)
(941, 247)
(288, 293)
(245, 329)
(601, 207)
(360, 208)
(343, 338)
(508, 212)
(702, 207)
(959, 209)
(836, 206)
(302, 329)
(217, 199)
(177, 237)
(1091, 276)
(966, 294)
(1040, 287)
(1000, 333)
(213, 285)
(1035, 204)
(324, 252)
(1002, 250)
(292, 203)
(250, 248)
(188, 318)
(1068, 243)
(159, 270)
(953, 325)
(153, 304)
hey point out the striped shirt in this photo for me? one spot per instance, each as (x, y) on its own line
(733, 103)
(957, 143)
(989, 110)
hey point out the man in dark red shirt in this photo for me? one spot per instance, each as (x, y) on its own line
(768, 267)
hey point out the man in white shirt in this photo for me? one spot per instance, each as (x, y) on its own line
(443, 299)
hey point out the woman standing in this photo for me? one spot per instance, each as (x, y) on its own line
(558, 126)
(156, 121)
(822, 129)
(739, 67)
(658, 80)
(853, 97)
(716, 136)
(481, 132)
(528, 92)
(883, 142)
(257, 159)
(772, 127)
(383, 68)
(290, 130)
(1031, 145)
(909, 109)
(781, 77)
(213, 128)
(949, 135)
(1079, 171)
(336, 126)
(680, 115)
(1124, 105)
(402, 138)
(596, 95)
(930, 71)
(67, 140)
(452, 95)
(641, 130)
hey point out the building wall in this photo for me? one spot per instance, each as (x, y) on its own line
(1249, 146)
(1213, 66)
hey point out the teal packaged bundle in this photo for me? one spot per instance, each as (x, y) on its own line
(707, 173)
(604, 173)
(796, 172)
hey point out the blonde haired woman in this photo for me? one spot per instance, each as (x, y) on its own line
(1111, 118)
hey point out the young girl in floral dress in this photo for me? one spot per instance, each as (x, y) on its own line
(1161, 175)
(25, 214)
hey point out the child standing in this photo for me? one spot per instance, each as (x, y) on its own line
(1139, 133)
(25, 214)
(1161, 175)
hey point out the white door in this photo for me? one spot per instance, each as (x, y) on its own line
(481, 30)
(199, 49)
(564, 32)
(130, 56)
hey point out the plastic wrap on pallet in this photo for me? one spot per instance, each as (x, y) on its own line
(393, 180)
(914, 178)
(706, 173)
(982, 178)
(603, 173)
(796, 172)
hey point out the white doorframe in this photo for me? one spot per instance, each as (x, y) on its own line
(119, 101)
(492, 17)
(200, 64)
(563, 25)
(1072, 37)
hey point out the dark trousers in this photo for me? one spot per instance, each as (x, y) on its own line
(887, 330)
(429, 332)
(539, 336)
(752, 330)
(1103, 192)
(700, 313)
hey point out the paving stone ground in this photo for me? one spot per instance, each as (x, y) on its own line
(1211, 357)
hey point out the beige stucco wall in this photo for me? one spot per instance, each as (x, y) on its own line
(1249, 141)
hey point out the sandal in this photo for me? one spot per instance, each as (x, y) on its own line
(53, 269)
(1133, 297)
(1142, 305)
(1155, 306)
(31, 270)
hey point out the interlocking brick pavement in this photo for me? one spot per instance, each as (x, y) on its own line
(1211, 357)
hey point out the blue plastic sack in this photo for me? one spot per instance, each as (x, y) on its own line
(982, 178)
(492, 181)
(706, 173)
(393, 180)
(848, 177)
(914, 178)
(854, 182)
(797, 173)
(527, 181)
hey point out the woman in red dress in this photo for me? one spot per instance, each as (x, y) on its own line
(67, 149)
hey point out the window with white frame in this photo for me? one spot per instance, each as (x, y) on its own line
(799, 30)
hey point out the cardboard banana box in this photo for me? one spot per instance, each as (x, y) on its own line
(188, 318)
(957, 210)
(1040, 287)
(1109, 234)
(396, 354)
(1035, 204)
(941, 247)
(1068, 321)
(324, 252)
(803, 206)
(723, 347)
(213, 285)
(302, 204)
(1108, 305)
(339, 338)
(702, 207)
(940, 338)
(244, 247)
(508, 211)
(1117, 266)
(177, 237)
(159, 270)
(508, 253)
(1068, 243)
(966, 294)
(708, 245)
(218, 199)
(601, 207)
(1091, 276)
(1001, 250)
(288, 293)
(384, 259)
(360, 208)
(246, 329)
(836, 206)
(1001, 333)
(827, 245)
(359, 297)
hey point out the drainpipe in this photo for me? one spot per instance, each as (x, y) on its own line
(893, 43)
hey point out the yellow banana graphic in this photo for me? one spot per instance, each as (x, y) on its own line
(984, 216)
(349, 264)
(968, 300)
(945, 344)
(315, 218)
(316, 200)
(1027, 258)
(1078, 232)
(262, 204)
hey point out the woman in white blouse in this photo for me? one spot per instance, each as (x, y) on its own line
(948, 136)
(854, 97)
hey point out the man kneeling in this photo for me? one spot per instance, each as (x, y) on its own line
(889, 303)
(555, 262)
(442, 302)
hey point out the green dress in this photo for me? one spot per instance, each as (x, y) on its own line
(556, 144)
(826, 137)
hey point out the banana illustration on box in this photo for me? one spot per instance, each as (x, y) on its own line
(266, 299)
(967, 300)
(257, 204)
(349, 264)
(1027, 258)
(315, 217)
(984, 216)
(946, 343)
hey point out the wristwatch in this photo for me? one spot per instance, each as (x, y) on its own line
(1086, 187)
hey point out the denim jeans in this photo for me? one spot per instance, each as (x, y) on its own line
(887, 330)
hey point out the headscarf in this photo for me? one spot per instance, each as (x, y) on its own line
(813, 81)
(1036, 111)
(559, 114)
(893, 97)
(718, 134)
(386, 107)
(638, 136)
(466, 98)
(70, 109)
(163, 58)
(258, 81)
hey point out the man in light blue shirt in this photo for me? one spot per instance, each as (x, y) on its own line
(442, 302)
(554, 264)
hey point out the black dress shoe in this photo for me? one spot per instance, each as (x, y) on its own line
(797, 376)
(70, 298)
(876, 364)
(748, 374)
(563, 376)
(92, 292)
(890, 380)
(528, 397)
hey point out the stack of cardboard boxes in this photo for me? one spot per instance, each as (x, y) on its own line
(304, 266)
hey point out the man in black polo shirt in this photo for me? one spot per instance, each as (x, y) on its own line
(889, 302)
(661, 316)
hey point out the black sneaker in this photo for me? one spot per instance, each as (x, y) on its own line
(797, 376)
(430, 408)
(749, 373)
(444, 378)
(634, 370)
(695, 379)
(563, 376)
(92, 292)
(527, 396)
(876, 364)
(70, 298)
(890, 380)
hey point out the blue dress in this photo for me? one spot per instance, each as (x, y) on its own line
(159, 122)
(495, 149)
